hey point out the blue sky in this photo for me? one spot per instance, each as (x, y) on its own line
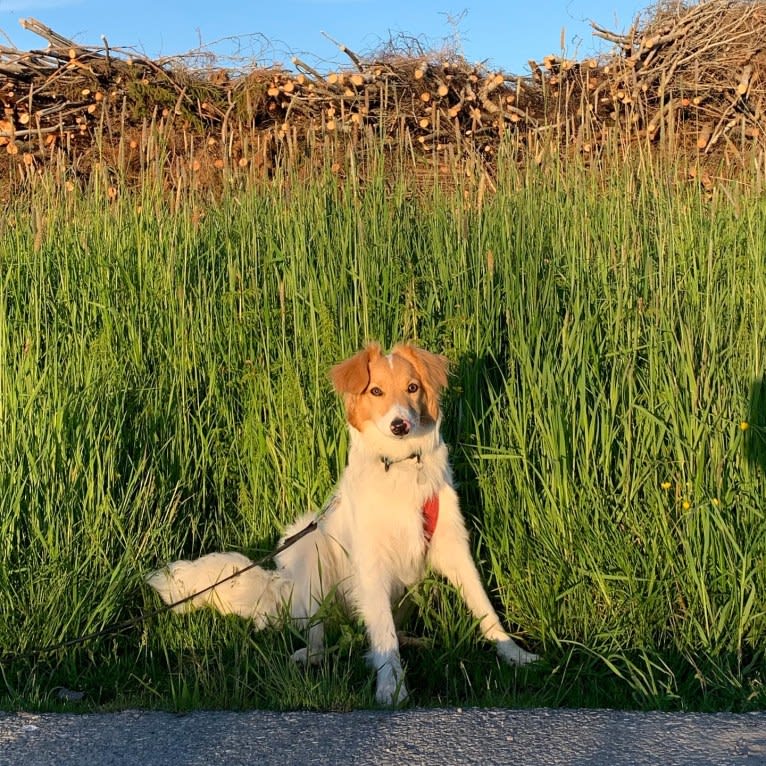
(506, 34)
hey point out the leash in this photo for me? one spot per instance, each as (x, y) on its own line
(142, 617)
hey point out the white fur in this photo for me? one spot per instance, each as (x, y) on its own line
(368, 549)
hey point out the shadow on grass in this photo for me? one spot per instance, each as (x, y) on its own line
(755, 436)
(472, 390)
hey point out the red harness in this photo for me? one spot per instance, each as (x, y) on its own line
(430, 516)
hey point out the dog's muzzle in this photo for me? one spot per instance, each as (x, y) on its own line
(400, 427)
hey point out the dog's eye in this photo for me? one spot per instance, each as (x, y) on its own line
(375, 391)
(412, 388)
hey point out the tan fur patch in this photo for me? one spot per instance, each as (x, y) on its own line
(372, 384)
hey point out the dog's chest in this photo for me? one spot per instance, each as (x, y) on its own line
(394, 519)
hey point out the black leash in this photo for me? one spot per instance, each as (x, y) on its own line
(146, 616)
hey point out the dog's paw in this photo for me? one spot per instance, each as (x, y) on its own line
(391, 693)
(512, 653)
(390, 689)
(304, 657)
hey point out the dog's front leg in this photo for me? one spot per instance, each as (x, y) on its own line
(450, 556)
(375, 609)
(313, 653)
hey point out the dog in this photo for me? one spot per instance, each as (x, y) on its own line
(393, 513)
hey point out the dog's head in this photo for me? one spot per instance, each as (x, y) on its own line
(397, 393)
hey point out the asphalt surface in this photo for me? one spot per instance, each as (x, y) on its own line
(455, 736)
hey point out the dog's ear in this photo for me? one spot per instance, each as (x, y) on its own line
(353, 375)
(432, 369)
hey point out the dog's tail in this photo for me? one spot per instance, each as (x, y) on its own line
(256, 594)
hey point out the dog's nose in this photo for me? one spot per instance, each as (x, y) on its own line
(400, 427)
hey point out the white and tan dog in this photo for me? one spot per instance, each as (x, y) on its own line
(394, 513)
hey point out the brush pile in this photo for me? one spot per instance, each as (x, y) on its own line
(688, 77)
(701, 66)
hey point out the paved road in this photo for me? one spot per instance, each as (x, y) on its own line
(428, 737)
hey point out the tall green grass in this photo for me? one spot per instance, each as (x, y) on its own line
(163, 394)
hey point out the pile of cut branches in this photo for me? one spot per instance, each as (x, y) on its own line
(71, 98)
(702, 66)
(95, 103)
(687, 76)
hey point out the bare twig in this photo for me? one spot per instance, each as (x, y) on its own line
(54, 38)
(343, 49)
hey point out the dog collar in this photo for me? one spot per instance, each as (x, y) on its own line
(388, 462)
